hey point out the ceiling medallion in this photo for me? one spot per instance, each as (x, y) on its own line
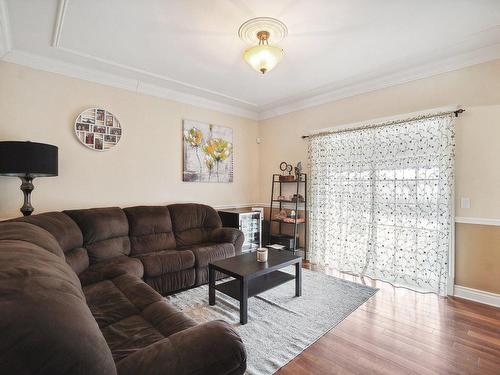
(259, 31)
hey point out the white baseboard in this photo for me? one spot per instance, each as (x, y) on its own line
(477, 295)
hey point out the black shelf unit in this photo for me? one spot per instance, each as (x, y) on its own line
(277, 188)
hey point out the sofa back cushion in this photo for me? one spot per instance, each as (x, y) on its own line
(12, 230)
(105, 232)
(46, 325)
(193, 223)
(67, 234)
(150, 229)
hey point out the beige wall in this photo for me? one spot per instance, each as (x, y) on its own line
(144, 168)
(478, 257)
(477, 88)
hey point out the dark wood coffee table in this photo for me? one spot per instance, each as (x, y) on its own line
(252, 277)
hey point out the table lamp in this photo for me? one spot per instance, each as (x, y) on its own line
(27, 160)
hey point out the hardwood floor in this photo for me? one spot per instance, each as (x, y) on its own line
(399, 331)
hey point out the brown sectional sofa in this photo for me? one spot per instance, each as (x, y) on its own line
(80, 292)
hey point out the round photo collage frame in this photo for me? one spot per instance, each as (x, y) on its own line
(98, 129)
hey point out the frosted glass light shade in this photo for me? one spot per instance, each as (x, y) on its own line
(263, 58)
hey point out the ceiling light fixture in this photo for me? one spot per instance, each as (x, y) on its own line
(263, 57)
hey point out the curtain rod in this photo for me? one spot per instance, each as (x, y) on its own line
(456, 113)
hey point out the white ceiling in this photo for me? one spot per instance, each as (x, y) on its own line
(189, 49)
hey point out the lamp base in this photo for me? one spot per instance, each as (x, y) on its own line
(27, 187)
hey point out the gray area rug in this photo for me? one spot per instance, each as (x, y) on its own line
(280, 326)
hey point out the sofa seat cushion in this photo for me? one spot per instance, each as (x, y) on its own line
(111, 268)
(172, 282)
(208, 252)
(129, 335)
(131, 315)
(116, 299)
(161, 262)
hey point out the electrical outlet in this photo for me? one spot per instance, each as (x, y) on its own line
(464, 202)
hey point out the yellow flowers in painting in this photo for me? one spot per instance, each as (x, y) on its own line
(193, 136)
(217, 148)
(216, 144)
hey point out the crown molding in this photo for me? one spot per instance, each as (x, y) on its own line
(166, 81)
(114, 80)
(59, 67)
(5, 35)
(195, 100)
(188, 93)
(183, 92)
(457, 62)
(97, 76)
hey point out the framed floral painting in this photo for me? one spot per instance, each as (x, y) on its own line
(208, 152)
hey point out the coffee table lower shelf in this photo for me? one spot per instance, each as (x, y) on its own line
(255, 286)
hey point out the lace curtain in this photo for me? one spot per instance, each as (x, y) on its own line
(381, 201)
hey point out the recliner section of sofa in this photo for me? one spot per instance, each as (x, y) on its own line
(198, 228)
(209, 252)
(193, 223)
(74, 242)
(105, 234)
(109, 250)
(68, 235)
(46, 325)
(166, 268)
(104, 230)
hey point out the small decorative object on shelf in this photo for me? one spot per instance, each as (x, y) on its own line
(284, 241)
(296, 203)
(292, 220)
(281, 215)
(296, 197)
(98, 129)
(298, 170)
(285, 167)
(262, 254)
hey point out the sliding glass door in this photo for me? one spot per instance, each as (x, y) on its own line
(381, 201)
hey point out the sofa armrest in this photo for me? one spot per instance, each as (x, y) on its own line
(231, 235)
(208, 348)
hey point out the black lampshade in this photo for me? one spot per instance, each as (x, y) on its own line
(28, 158)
